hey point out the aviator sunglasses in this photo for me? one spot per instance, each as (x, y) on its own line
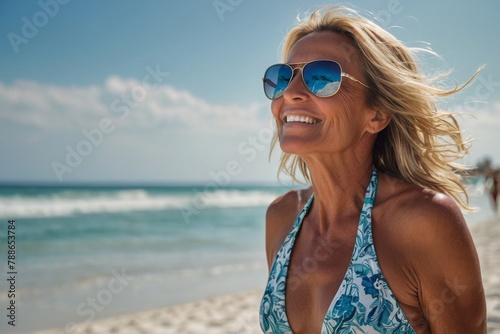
(321, 77)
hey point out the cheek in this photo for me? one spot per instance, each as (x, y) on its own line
(275, 109)
(336, 109)
(344, 106)
(342, 116)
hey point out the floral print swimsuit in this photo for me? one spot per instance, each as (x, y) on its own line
(364, 302)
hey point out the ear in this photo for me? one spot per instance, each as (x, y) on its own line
(378, 121)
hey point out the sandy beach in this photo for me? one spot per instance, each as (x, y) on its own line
(238, 313)
(229, 314)
(487, 239)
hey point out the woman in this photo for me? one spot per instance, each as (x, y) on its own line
(495, 176)
(379, 243)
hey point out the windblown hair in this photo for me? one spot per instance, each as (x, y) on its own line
(420, 144)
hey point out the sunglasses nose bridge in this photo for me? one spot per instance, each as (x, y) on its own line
(293, 69)
(294, 76)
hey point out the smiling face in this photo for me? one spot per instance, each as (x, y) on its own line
(308, 124)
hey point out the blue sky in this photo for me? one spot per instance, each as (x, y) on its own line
(170, 91)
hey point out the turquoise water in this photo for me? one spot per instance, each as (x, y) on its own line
(172, 245)
(85, 253)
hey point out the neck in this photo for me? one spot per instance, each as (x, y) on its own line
(339, 188)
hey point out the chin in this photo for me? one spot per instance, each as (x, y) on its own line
(295, 146)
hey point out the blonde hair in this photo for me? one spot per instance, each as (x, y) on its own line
(420, 144)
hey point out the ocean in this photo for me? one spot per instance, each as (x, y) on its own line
(85, 253)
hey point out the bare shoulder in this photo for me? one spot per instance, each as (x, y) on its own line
(426, 229)
(421, 215)
(428, 235)
(280, 217)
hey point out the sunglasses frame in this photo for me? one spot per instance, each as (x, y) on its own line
(304, 64)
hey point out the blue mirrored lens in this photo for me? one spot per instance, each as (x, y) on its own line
(322, 77)
(276, 79)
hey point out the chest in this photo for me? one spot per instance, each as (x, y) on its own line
(317, 268)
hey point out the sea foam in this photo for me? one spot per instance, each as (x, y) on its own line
(85, 202)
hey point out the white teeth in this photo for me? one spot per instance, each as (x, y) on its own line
(301, 119)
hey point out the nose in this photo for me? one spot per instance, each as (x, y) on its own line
(296, 89)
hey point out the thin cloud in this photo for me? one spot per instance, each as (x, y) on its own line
(51, 107)
(481, 125)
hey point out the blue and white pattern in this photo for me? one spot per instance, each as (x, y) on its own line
(364, 302)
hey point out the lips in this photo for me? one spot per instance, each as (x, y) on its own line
(300, 119)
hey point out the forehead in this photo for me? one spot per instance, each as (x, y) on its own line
(323, 45)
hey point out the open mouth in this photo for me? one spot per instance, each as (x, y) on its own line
(300, 119)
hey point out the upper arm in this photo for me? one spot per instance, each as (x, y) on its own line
(445, 262)
(271, 227)
(279, 219)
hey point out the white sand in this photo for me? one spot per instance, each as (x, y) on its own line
(487, 239)
(238, 313)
